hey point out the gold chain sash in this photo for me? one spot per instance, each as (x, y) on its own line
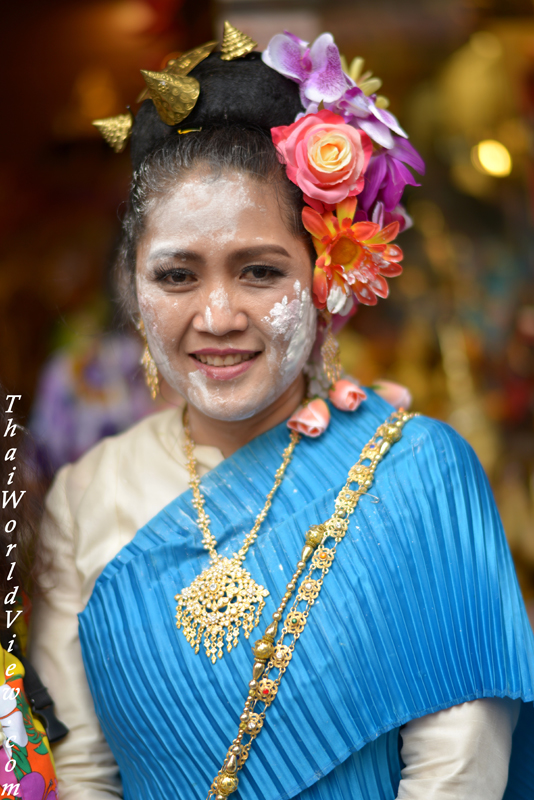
(270, 657)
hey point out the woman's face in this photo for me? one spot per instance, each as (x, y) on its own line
(224, 291)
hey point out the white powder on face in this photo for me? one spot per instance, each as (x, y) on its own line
(208, 319)
(196, 206)
(205, 215)
(295, 323)
(303, 336)
(219, 299)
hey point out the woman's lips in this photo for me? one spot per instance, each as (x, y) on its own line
(221, 372)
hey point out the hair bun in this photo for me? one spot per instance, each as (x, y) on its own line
(244, 92)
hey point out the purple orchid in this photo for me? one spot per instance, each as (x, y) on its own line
(317, 69)
(387, 175)
(359, 110)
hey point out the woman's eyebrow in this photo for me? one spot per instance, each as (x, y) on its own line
(172, 252)
(261, 249)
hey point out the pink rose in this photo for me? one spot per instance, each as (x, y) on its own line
(346, 395)
(311, 419)
(393, 393)
(324, 156)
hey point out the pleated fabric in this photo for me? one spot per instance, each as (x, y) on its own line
(420, 611)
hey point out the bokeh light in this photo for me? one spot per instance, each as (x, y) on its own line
(492, 157)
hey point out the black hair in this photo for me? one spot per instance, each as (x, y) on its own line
(239, 102)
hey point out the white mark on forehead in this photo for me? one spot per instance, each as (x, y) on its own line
(205, 206)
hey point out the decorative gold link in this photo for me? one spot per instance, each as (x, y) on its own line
(323, 557)
(223, 598)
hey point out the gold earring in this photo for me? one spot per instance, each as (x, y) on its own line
(149, 365)
(330, 352)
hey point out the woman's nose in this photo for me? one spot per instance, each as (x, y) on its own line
(218, 316)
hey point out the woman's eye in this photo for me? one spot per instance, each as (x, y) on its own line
(261, 273)
(174, 277)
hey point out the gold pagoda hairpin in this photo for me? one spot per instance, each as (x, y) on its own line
(235, 44)
(172, 90)
(115, 130)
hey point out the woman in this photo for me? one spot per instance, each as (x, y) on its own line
(406, 657)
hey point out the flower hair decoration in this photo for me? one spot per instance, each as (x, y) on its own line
(350, 158)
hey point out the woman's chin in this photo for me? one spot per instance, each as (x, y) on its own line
(231, 403)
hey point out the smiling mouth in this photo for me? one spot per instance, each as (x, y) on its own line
(224, 361)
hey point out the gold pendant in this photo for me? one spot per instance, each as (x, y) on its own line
(218, 603)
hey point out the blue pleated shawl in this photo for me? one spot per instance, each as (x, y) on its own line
(421, 611)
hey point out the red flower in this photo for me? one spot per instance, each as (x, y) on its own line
(359, 257)
(324, 156)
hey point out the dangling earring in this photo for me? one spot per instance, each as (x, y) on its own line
(330, 352)
(149, 365)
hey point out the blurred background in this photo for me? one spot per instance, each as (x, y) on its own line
(458, 329)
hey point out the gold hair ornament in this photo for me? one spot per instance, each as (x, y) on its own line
(148, 363)
(115, 130)
(223, 598)
(174, 96)
(183, 64)
(235, 43)
(172, 90)
(270, 655)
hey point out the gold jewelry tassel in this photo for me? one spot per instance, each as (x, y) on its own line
(149, 365)
(330, 353)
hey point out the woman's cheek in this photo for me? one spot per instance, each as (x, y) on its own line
(291, 328)
(157, 319)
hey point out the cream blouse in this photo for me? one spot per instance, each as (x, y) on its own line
(94, 509)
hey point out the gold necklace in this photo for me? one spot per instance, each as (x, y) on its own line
(223, 598)
(271, 658)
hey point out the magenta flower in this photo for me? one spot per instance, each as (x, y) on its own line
(317, 69)
(386, 176)
(362, 112)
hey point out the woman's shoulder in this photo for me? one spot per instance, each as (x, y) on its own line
(428, 447)
(143, 444)
(421, 429)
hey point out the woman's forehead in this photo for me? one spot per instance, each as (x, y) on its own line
(227, 205)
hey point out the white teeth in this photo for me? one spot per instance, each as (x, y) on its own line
(226, 361)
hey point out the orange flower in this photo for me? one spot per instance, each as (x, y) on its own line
(356, 257)
(393, 393)
(311, 419)
(346, 395)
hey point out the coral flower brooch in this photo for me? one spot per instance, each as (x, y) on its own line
(353, 258)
